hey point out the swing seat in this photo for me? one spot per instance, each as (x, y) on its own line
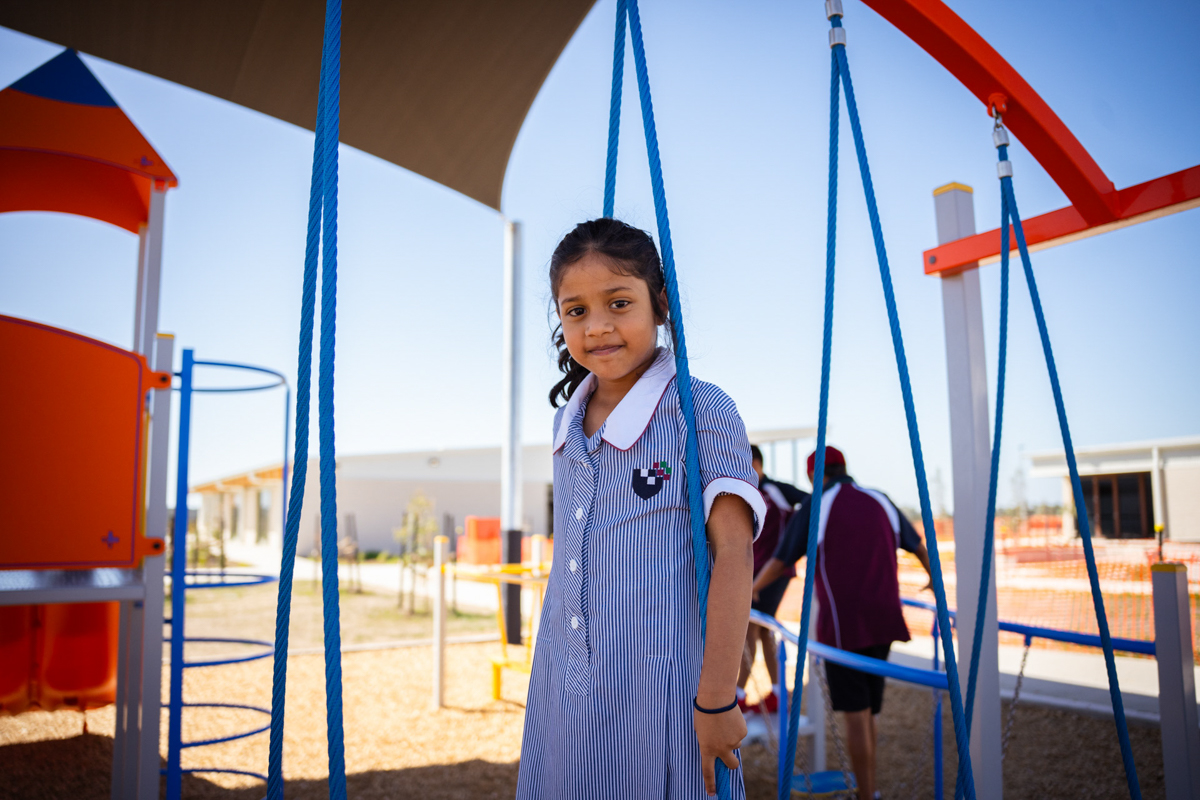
(829, 784)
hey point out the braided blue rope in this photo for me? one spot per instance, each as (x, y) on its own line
(328, 455)
(323, 187)
(614, 111)
(814, 512)
(1085, 528)
(989, 528)
(914, 436)
(683, 379)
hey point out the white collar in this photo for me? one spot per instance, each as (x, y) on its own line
(629, 420)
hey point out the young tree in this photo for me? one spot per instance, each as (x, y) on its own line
(415, 536)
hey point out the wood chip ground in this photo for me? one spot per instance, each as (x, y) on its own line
(397, 747)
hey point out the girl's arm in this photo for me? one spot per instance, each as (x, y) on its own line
(731, 537)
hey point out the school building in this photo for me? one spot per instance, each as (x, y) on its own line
(246, 509)
(1132, 488)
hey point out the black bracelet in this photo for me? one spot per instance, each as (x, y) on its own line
(721, 710)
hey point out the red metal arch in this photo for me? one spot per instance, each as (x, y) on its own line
(1096, 205)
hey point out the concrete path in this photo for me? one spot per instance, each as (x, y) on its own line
(1063, 679)
(1072, 680)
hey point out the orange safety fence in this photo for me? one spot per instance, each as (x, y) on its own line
(1042, 580)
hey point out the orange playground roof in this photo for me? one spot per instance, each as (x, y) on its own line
(65, 145)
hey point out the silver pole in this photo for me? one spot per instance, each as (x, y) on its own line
(152, 572)
(151, 248)
(510, 446)
(970, 450)
(1176, 681)
(440, 552)
(511, 513)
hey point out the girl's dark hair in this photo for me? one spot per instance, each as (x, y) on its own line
(629, 251)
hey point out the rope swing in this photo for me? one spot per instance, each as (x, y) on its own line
(840, 75)
(683, 381)
(322, 240)
(1008, 212)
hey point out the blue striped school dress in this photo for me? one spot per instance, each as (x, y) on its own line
(618, 654)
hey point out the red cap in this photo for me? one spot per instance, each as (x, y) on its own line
(832, 456)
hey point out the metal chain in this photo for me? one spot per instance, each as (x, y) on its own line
(819, 668)
(806, 767)
(1012, 708)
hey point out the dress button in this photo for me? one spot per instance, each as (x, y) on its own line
(574, 565)
(575, 623)
(579, 513)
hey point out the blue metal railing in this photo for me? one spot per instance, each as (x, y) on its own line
(1140, 646)
(934, 678)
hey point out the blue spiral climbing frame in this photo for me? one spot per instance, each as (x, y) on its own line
(1009, 213)
(322, 240)
(183, 580)
(840, 76)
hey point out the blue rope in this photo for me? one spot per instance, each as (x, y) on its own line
(1085, 529)
(914, 436)
(614, 112)
(683, 380)
(989, 528)
(328, 455)
(322, 198)
(814, 512)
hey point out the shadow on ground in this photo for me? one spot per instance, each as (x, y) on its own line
(1054, 754)
(80, 768)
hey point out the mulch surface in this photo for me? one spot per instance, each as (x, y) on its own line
(396, 747)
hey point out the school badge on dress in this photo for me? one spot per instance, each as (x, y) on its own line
(648, 482)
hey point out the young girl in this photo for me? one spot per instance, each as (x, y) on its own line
(624, 700)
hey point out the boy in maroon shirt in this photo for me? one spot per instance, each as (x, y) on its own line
(781, 499)
(858, 591)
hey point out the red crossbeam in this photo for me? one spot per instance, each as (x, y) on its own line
(1145, 201)
(1096, 205)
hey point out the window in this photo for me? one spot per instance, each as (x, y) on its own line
(1119, 506)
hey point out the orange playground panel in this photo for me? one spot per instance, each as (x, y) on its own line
(71, 450)
(72, 454)
(58, 656)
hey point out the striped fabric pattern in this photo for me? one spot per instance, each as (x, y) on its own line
(618, 655)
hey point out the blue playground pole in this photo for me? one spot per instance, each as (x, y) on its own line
(178, 569)
(938, 789)
(785, 769)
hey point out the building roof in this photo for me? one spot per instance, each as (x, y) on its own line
(243, 480)
(440, 87)
(66, 146)
(458, 464)
(1110, 459)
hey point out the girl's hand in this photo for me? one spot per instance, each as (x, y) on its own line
(719, 735)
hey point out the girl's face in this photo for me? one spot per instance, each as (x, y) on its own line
(607, 319)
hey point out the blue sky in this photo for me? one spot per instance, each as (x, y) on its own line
(741, 99)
